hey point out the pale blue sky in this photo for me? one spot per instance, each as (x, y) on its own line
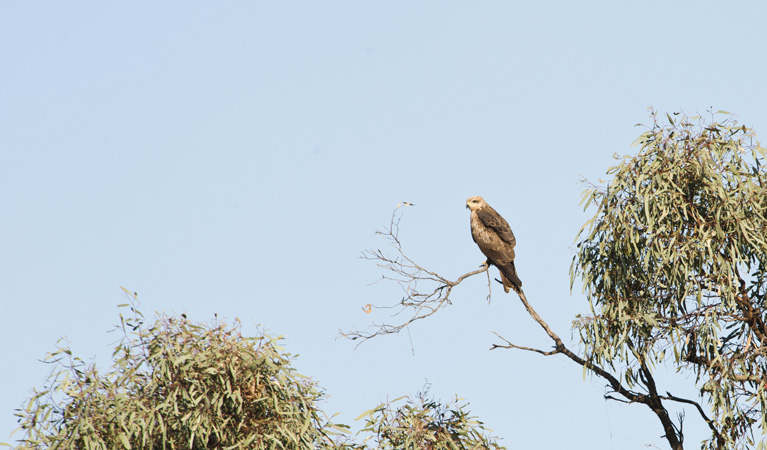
(236, 157)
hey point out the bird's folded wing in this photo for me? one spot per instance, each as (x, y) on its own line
(491, 219)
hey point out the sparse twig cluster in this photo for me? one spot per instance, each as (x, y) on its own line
(424, 291)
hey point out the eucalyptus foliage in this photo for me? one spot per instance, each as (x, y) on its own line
(674, 264)
(175, 384)
(425, 424)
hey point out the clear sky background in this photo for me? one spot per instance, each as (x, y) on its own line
(236, 157)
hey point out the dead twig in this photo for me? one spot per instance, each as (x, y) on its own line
(418, 302)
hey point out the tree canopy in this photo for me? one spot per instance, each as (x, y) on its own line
(176, 384)
(424, 423)
(674, 265)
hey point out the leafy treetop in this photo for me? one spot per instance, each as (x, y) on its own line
(675, 262)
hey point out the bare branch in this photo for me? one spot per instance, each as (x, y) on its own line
(652, 399)
(668, 396)
(424, 291)
(519, 347)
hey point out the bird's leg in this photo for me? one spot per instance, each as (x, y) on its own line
(487, 264)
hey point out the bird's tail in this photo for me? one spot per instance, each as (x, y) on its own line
(510, 278)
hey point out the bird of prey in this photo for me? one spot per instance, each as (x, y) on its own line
(493, 235)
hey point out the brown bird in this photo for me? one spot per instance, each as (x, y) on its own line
(493, 235)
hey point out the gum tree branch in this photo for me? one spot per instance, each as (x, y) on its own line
(702, 413)
(425, 292)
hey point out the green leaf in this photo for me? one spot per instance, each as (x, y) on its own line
(124, 440)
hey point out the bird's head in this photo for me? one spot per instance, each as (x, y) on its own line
(474, 203)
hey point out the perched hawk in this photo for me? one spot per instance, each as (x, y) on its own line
(494, 237)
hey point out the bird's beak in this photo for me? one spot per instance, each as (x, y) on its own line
(467, 206)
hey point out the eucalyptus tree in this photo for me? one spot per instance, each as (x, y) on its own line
(674, 267)
(177, 384)
(422, 423)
